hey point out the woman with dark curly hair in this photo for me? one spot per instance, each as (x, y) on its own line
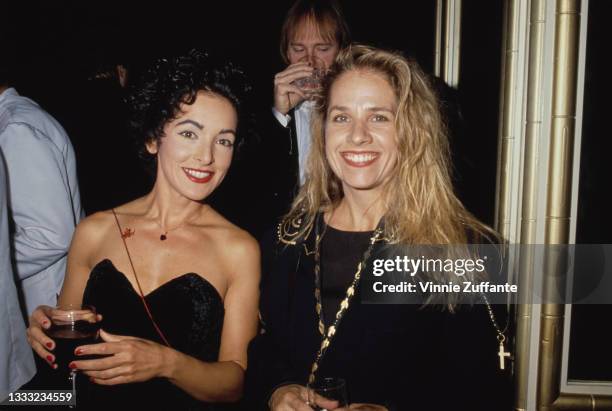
(176, 284)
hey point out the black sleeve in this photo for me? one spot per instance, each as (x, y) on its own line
(277, 163)
(268, 353)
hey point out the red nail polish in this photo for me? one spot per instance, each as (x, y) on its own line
(72, 365)
(45, 322)
(49, 358)
(49, 344)
(78, 351)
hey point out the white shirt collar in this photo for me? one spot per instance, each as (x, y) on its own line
(306, 105)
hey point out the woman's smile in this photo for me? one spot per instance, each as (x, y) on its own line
(359, 158)
(198, 176)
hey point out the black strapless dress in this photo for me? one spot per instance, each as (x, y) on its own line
(188, 310)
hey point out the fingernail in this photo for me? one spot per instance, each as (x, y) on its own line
(49, 358)
(49, 344)
(72, 365)
(78, 351)
(55, 366)
(45, 323)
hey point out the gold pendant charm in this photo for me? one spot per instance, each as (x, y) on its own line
(503, 354)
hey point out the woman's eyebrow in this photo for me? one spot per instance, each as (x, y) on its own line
(381, 109)
(228, 131)
(370, 109)
(195, 123)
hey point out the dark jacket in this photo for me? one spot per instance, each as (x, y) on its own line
(401, 356)
(269, 175)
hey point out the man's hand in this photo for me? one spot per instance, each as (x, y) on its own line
(286, 95)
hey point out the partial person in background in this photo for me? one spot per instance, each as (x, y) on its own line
(113, 72)
(109, 173)
(313, 33)
(16, 361)
(43, 196)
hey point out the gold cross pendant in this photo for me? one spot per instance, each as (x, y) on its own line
(503, 354)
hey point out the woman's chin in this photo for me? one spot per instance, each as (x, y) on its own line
(362, 186)
(197, 196)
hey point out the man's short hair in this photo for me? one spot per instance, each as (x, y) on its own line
(326, 14)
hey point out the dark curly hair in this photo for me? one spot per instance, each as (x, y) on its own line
(155, 99)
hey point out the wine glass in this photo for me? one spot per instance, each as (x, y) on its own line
(71, 326)
(311, 85)
(329, 388)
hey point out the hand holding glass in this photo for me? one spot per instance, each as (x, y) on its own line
(71, 326)
(313, 83)
(327, 391)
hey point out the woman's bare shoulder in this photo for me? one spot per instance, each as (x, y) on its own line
(233, 238)
(94, 223)
(99, 223)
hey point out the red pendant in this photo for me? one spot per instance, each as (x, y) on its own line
(163, 237)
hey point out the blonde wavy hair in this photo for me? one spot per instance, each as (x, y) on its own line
(421, 207)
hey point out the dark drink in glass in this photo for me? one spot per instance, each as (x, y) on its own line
(71, 327)
(327, 392)
(68, 337)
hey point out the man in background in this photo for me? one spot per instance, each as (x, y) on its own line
(43, 196)
(313, 33)
(16, 361)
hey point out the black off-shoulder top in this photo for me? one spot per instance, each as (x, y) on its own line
(189, 311)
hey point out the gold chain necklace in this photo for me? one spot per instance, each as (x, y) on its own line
(501, 338)
(327, 336)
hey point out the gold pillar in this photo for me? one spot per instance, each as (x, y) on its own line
(448, 41)
(558, 182)
(575, 402)
(439, 34)
(529, 209)
(558, 204)
(508, 96)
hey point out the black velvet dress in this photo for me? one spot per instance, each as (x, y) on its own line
(188, 310)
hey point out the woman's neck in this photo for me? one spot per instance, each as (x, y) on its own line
(169, 208)
(356, 213)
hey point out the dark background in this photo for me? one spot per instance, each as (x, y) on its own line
(60, 44)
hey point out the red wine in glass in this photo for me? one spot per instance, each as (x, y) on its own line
(71, 327)
(68, 337)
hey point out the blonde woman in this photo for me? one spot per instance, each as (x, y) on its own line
(378, 175)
